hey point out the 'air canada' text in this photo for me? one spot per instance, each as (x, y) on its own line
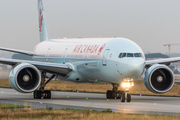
(88, 49)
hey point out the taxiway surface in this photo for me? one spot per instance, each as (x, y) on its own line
(95, 101)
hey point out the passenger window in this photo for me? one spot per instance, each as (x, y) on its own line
(129, 55)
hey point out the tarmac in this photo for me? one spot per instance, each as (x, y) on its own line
(95, 101)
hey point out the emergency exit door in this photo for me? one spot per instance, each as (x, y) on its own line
(104, 58)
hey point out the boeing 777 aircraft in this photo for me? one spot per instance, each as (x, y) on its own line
(118, 61)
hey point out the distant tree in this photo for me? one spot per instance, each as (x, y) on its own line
(156, 55)
(176, 71)
(172, 68)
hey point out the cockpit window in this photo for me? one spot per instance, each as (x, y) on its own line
(140, 55)
(121, 55)
(136, 55)
(129, 54)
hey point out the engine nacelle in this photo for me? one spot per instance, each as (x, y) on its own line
(159, 79)
(25, 78)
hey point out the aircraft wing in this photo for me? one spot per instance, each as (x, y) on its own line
(17, 51)
(166, 61)
(54, 68)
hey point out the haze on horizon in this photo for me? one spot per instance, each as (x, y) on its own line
(149, 23)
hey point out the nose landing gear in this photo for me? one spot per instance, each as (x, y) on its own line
(114, 93)
(125, 96)
(117, 94)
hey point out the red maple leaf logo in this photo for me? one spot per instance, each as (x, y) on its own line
(101, 48)
(40, 20)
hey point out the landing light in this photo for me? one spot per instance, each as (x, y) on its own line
(127, 83)
(124, 84)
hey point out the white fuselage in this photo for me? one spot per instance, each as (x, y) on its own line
(94, 60)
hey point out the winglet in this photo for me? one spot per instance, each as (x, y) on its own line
(43, 31)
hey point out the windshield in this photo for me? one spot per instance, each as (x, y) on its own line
(137, 55)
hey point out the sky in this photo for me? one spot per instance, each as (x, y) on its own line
(149, 23)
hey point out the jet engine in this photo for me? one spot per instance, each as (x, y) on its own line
(159, 79)
(25, 78)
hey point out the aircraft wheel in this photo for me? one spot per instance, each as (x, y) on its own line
(37, 94)
(113, 95)
(47, 94)
(128, 98)
(123, 97)
(108, 94)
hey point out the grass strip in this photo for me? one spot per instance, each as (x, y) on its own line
(11, 106)
(74, 114)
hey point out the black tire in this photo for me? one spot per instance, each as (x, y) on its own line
(37, 94)
(47, 94)
(128, 98)
(123, 97)
(113, 95)
(108, 94)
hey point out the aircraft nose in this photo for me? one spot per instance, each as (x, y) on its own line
(135, 67)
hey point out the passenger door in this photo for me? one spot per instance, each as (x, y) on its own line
(47, 54)
(104, 58)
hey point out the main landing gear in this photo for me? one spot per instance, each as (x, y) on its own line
(41, 93)
(117, 94)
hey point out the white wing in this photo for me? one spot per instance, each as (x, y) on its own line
(17, 51)
(55, 68)
(166, 61)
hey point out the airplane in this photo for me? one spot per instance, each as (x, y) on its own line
(118, 61)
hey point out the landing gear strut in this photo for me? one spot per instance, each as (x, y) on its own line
(41, 93)
(116, 94)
